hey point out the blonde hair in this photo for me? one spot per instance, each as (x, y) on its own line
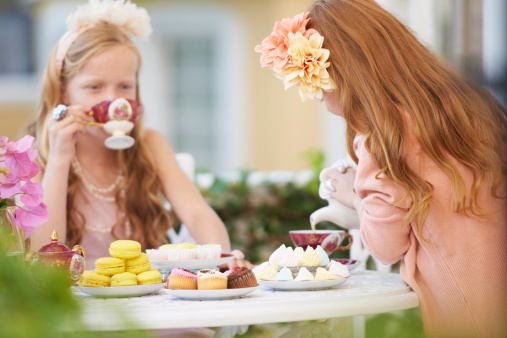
(378, 67)
(147, 217)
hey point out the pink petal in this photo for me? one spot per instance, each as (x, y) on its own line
(19, 164)
(31, 217)
(3, 144)
(32, 194)
(20, 146)
(9, 190)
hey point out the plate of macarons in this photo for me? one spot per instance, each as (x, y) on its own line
(210, 284)
(126, 273)
(121, 291)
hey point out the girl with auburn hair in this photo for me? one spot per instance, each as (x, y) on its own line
(97, 195)
(430, 184)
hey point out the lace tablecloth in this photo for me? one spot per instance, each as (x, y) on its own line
(366, 292)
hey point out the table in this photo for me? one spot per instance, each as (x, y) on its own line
(366, 292)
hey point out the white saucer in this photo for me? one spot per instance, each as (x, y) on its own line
(191, 264)
(303, 285)
(210, 294)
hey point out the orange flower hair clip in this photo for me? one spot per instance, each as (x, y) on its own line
(297, 57)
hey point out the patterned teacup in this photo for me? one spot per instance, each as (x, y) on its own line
(329, 240)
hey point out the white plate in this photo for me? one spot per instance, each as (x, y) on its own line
(121, 291)
(303, 285)
(210, 294)
(351, 264)
(191, 264)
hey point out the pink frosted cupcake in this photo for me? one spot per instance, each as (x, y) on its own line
(182, 279)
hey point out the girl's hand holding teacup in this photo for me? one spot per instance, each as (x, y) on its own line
(64, 126)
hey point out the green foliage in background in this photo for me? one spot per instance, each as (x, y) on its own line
(260, 217)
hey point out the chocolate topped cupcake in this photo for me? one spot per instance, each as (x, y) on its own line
(241, 278)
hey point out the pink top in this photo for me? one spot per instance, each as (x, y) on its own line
(100, 216)
(460, 273)
(183, 273)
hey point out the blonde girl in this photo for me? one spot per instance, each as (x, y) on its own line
(430, 184)
(96, 195)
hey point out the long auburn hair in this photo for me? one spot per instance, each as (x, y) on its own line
(378, 66)
(149, 220)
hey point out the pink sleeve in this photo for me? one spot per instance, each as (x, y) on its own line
(381, 229)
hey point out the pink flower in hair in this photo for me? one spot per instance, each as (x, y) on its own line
(275, 47)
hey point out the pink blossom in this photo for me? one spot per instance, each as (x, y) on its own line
(18, 166)
(20, 146)
(32, 194)
(275, 47)
(29, 218)
(21, 164)
(3, 144)
(9, 190)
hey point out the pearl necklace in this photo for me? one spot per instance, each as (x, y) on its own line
(100, 193)
(128, 230)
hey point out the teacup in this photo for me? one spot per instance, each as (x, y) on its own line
(329, 240)
(118, 118)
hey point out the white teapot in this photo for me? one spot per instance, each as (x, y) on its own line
(335, 212)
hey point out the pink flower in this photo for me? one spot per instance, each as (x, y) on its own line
(29, 218)
(32, 194)
(275, 47)
(3, 144)
(9, 190)
(17, 167)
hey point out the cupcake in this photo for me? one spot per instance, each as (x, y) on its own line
(209, 251)
(211, 280)
(182, 279)
(240, 278)
(156, 254)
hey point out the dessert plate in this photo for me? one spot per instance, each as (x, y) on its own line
(121, 291)
(303, 285)
(210, 294)
(351, 264)
(191, 264)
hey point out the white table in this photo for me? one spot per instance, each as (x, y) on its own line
(366, 292)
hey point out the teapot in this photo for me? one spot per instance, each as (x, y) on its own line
(335, 212)
(58, 255)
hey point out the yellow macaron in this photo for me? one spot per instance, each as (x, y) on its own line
(109, 266)
(139, 264)
(124, 279)
(149, 277)
(125, 248)
(93, 279)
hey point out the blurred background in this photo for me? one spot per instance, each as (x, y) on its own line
(202, 84)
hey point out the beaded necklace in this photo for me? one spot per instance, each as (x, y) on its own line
(101, 193)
